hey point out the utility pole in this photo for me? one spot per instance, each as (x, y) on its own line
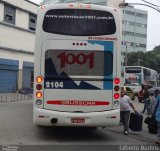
(139, 61)
(126, 57)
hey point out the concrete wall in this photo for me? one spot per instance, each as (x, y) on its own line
(16, 38)
(17, 41)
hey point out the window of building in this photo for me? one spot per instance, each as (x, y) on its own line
(140, 35)
(123, 53)
(141, 25)
(138, 24)
(129, 12)
(9, 14)
(127, 33)
(128, 23)
(141, 15)
(142, 45)
(32, 22)
(144, 26)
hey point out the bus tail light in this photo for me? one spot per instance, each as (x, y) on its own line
(116, 81)
(39, 94)
(116, 103)
(39, 87)
(38, 102)
(116, 95)
(116, 88)
(39, 79)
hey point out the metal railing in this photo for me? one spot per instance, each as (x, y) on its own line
(15, 97)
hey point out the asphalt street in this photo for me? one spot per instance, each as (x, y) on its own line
(16, 128)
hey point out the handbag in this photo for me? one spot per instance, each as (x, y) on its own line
(152, 127)
(148, 120)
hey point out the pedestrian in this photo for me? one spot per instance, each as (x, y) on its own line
(146, 98)
(156, 115)
(153, 98)
(125, 104)
(140, 93)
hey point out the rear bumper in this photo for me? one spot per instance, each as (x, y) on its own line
(43, 117)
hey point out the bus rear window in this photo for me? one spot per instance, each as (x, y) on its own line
(133, 70)
(79, 22)
(62, 63)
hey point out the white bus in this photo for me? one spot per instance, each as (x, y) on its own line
(77, 66)
(135, 76)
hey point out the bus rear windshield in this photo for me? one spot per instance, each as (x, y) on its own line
(79, 22)
(133, 70)
(62, 63)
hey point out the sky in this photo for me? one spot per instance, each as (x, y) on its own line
(153, 30)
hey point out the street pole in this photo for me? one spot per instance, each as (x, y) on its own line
(126, 56)
(139, 61)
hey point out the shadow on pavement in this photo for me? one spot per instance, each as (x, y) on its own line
(71, 134)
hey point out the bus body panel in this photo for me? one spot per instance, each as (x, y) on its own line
(76, 100)
(80, 98)
(93, 119)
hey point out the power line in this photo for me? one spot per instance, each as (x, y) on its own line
(151, 4)
(126, 4)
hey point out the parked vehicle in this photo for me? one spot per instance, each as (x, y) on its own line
(128, 91)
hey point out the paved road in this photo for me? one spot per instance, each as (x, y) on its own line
(16, 128)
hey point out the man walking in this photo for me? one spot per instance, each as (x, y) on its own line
(125, 104)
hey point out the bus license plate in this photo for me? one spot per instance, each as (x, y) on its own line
(77, 120)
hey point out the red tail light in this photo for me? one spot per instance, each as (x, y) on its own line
(116, 95)
(117, 81)
(116, 88)
(39, 87)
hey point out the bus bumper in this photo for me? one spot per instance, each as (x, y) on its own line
(43, 117)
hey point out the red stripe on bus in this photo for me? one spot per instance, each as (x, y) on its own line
(77, 103)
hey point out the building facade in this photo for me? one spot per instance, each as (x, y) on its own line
(134, 31)
(17, 30)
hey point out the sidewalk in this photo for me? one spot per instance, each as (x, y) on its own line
(143, 135)
(14, 97)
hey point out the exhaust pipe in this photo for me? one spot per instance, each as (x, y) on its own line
(54, 120)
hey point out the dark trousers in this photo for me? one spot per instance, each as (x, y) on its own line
(146, 105)
(124, 115)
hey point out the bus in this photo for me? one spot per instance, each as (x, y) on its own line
(135, 76)
(77, 66)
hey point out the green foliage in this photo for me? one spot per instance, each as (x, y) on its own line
(150, 59)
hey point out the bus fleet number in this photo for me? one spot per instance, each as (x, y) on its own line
(54, 84)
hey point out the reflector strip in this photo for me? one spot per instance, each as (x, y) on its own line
(77, 103)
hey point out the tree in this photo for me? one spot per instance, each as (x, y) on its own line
(150, 59)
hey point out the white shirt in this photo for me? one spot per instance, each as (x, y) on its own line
(124, 103)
